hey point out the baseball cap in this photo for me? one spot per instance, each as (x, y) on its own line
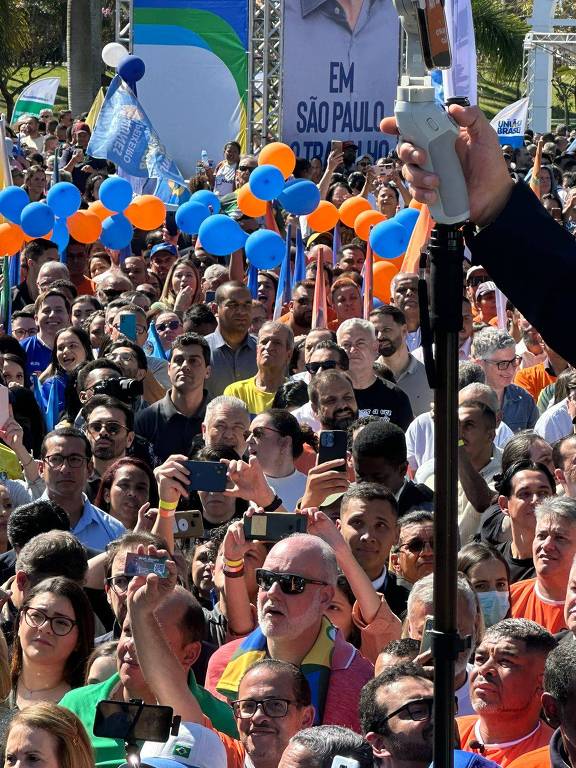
(349, 145)
(194, 746)
(164, 247)
(486, 287)
(81, 127)
(473, 270)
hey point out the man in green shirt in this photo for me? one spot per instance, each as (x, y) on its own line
(182, 622)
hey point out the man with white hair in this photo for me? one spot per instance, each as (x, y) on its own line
(421, 605)
(226, 423)
(296, 586)
(49, 272)
(495, 351)
(214, 276)
(542, 599)
(374, 396)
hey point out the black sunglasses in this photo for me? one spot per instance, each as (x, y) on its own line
(327, 365)
(290, 583)
(170, 324)
(417, 545)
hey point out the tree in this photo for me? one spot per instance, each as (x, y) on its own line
(499, 38)
(83, 45)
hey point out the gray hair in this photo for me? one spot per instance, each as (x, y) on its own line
(562, 507)
(484, 393)
(490, 340)
(423, 592)
(324, 742)
(225, 401)
(416, 517)
(326, 555)
(356, 322)
(215, 271)
(274, 325)
(470, 373)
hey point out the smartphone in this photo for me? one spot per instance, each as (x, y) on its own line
(188, 524)
(333, 445)
(128, 325)
(336, 146)
(142, 565)
(434, 35)
(426, 642)
(210, 297)
(207, 476)
(274, 526)
(4, 405)
(132, 722)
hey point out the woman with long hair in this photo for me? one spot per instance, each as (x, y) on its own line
(71, 349)
(182, 287)
(124, 488)
(54, 637)
(35, 183)
(47, 735)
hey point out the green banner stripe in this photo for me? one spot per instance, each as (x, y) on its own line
(217, 33)
(30, 106)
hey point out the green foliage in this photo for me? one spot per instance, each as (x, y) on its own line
(499, 38)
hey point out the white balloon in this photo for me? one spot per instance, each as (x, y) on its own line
(113, 53)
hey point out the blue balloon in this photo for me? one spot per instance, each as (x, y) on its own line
(207, 198)
(131, 69)
(60, 234)
(221, 235)
(64, 199)
(389, 239)
(265, 249)
(376, 303)
(37, 219)
(300, 197)
(115, 194)
(408, 218)
(12, 201)
(266, 182)
(190, 215)
(117, 232)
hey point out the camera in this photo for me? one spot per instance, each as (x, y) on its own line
(126, 390)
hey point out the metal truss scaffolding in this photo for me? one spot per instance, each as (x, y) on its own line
(264, 71)
(123, 23)
(540, 50)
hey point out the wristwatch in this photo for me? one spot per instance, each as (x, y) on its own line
(274, 504)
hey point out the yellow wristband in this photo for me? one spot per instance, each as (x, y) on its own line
(460, 443)
(233, 563)
(168, 504)
(163, 512)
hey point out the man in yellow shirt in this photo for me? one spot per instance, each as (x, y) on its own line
(273, 353)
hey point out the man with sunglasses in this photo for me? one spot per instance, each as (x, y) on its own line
(112, 286)
(296, 587)
(495, 352)
(474, 278)
(66, 464)
(396, 716)
(246, 165)
(325, 356)
(413, 557)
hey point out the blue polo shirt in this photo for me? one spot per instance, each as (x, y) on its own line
(38, 355)
(95, 528)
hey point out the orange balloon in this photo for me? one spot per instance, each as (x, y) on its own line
(415, 204)
(84, 226)
(383, 272)
(146, 212)
(100, 210)
(351, 208)
(11, 239)
(248, 204)
(280, 155)
(365, 220)
(398, 261)
(325, 217)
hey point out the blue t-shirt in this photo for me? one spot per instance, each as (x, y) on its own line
(38, 355)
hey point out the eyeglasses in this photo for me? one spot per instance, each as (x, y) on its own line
(303, 300)
(327, 365)
(119, 583)
(417, 545)
(249, 168)
(111, 293)
(139, 328)
(503, 365)
(113, 428)
(418, 709)
(245, 708)
(258, 432)
(57, 460)
(168, 325)
(60, 625)
(290, 583)
(122, 357)
(24, 333)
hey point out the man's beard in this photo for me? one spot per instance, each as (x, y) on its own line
(405, 748)
(387, 349)
(342, 421)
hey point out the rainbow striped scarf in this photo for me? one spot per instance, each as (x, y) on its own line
(315, 666)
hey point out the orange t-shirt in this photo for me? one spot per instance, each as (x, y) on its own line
(503, 754)
(528, 604)
(85, 287)
(533, 379)
(235, 752)
(539, 758)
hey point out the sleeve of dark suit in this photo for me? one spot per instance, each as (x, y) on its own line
(533, 261)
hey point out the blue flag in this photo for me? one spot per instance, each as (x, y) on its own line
(300, 261)
(38, 394)
(53, 406)
(171, 193)
(284, 284)
(336, 244)
(124, 135)
(154, 346)
(253, 280)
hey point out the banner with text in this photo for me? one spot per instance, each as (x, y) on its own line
(510, 123)
(196, 84)
(340, 71)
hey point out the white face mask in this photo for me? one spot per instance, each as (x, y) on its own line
(494, 605)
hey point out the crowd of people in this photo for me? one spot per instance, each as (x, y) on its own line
(278, 650)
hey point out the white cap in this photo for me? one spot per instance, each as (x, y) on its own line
(195, 747)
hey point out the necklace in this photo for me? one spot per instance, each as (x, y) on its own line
(30, 693)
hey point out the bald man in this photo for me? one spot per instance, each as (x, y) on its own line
(296, 586)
